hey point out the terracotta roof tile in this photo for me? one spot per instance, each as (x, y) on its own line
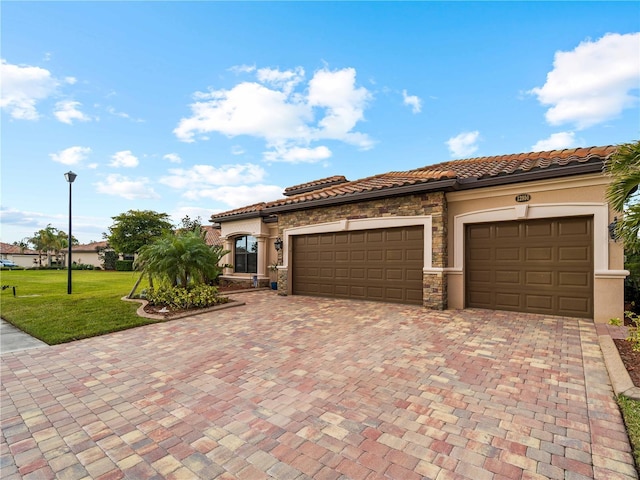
(478, 168)
(89, 247)
(523, 162)
(315, 184)
(212, 235)
(7, 248)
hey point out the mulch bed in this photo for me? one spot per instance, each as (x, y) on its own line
(630, 359)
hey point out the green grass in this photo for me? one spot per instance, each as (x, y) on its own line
(43, 308)
(631, 413)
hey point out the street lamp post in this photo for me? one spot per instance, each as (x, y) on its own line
(70, 176)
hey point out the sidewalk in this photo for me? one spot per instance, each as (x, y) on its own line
(13, 339)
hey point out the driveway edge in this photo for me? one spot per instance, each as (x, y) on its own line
(620, 378)
(141, 312)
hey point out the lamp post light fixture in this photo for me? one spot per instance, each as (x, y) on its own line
(70, 177)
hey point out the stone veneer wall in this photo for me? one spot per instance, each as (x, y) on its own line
(434, 204)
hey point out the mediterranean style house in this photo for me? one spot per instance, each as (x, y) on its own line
(526, 232)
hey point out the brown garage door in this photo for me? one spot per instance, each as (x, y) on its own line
(538, 266)
(382, 264)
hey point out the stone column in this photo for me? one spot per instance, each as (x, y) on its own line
(262, 255)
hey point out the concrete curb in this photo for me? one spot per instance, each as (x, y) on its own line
(620, 379)
(141, 313)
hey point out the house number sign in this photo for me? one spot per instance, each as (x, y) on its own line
(523, 197)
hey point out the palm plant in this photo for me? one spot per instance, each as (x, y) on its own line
(181, 260)
(624, 168)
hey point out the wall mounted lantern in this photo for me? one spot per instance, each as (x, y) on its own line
(278, 244)
(613, 229)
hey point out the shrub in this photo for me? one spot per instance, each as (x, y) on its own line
(124, 265)
(197, 296)
(634, 331)
(109, 258)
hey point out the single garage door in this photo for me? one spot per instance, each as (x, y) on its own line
(382, 264)
(538, 266)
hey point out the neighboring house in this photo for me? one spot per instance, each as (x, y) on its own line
(20, 256)
(525, 232)
(89, 254)
(212, 235)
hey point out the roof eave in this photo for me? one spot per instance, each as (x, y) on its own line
(448, 184)
(593, 166)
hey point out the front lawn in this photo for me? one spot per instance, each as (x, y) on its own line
(631, 413)
(43, 308)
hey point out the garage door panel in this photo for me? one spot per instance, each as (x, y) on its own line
(539, 254)
(508, 254)
(577, 254)
(375, 255)
(509, 277)
(539, 279)
(572, 228)
(539, 303)
(574, 279)
(573, 305)
(539, 230)
(381, 264)
(507, 231)
(508, 301)
(375, 274)
(553, 274)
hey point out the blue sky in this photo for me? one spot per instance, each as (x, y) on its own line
(192, 108)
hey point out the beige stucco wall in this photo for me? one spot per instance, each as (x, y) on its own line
(569, 196)
(265, 233)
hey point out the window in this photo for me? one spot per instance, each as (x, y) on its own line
(246, 254)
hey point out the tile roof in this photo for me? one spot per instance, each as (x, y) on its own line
(315, 184)
(212, 235)
(483, 167)
(89, 247)
(7, 248)
(460, 170)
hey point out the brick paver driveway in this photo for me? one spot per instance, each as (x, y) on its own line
(299, 387)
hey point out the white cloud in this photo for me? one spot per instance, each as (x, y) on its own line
(335, 91)
(556, 141)
(464, 144)
(121, 186)
(298, 154)
(67, 111)
(242, 69)
(70, 80)
(413, 101)
(238, 196)
(71, 155)
(202, 176)
(23, 87)
(115, 113)
(124, 159)
(286, 81)
(594, 82)
(278, 109)
(237, 150)
(173, 158)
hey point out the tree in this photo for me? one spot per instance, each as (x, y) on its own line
(622, 193)
(49, 240)
(22, 244)
(181, 259)
(187, 224)
(136, 228)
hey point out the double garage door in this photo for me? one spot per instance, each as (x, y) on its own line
(381, 264)
(538, 266)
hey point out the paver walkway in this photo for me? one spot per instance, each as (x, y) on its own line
(299, 387)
